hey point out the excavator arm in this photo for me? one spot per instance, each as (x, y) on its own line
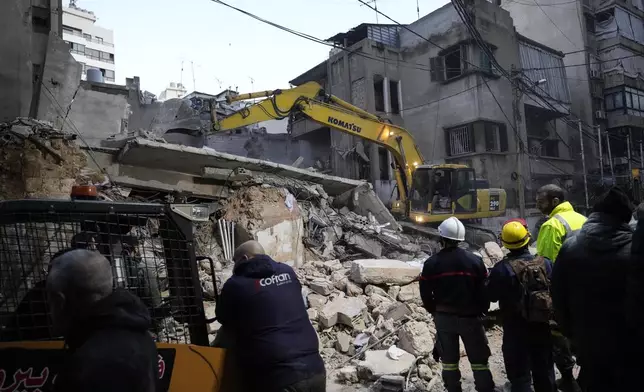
(310, 100)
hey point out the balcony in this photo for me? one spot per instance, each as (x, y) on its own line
(84, 36)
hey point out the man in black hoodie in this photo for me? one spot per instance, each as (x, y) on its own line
(105, 330)
(589, 290)
(274, 339)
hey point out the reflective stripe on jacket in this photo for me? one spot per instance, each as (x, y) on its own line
(563, 223)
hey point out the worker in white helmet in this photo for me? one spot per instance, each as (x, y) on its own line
(452, 289)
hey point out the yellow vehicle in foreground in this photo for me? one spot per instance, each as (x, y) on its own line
(427, 193)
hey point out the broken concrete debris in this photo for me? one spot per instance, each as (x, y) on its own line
(383, 271)
(416, 338)
(378, 363)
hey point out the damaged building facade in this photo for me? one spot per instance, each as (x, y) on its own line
(447, 94)
(603, 41)
(38, 75)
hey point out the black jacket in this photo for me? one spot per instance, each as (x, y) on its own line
(503, 285)
(110, 349)
(589, 288)
(274, 339)
(453, 281)
(635, 285)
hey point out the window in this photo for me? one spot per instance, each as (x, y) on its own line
(92, 53)
(87, 37)
(393, 97)
(486, 63)
(384, 163)
(40, 20)
(496, 137)
(460, 140)
(109, 74)
(72, 30)
(379, 93)
(77, 48)
(590, 23)
(99, 40)
(550, 148)
(451, 64)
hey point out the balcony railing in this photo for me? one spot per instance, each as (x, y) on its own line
(79, 34)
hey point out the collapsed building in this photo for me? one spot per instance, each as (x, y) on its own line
(358, 269)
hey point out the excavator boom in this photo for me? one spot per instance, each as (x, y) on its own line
(310, 100)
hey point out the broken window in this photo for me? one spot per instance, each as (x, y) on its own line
(393, 97)
(460, 140)
(451, 64)
(379, 93)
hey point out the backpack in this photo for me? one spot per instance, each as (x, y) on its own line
(535, 304)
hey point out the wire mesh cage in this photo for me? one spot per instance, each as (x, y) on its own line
(149, 246)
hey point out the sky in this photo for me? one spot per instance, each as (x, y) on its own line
(153, 38)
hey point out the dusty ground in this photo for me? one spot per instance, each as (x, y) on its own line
(495, 337)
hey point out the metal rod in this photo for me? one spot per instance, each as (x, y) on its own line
(641, 156)
(601, 153)
(223, 237)
(225, 224)
(610, 159)
(583, 164)
(233, 237)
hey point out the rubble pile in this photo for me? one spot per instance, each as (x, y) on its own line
(359, 281)
(37, 161)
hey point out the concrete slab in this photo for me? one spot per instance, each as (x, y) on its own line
(192, 160)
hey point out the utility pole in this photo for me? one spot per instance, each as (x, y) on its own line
(610, 159)
(641, 156)
(583, 164)
(516, 106)
(628, 156)
(601, 153)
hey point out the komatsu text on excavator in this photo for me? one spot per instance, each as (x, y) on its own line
(426, 193)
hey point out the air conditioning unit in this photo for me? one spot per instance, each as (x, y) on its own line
(595, 74)
(600, 114)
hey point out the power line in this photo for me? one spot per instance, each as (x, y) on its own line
(553, 23)
(584, 64)
(320, 41)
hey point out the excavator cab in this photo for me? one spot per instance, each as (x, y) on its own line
(438, 191)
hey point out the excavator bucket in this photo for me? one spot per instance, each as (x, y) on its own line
(150, 248)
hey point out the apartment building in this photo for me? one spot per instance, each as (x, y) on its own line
(174, 90)
(447, 94)
(91, 45)
(604, 45)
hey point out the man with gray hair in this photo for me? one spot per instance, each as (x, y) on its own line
(105, 330)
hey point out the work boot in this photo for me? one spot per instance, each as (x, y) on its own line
(567, 383)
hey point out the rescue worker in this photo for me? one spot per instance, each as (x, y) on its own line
(452, 287)
(635, 292)
(562, 224)
(105, 330)
(527, 346)
(589, 292)
(274, 339)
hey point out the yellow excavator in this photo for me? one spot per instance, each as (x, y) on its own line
(426, 193)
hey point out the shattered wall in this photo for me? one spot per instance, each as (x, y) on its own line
(271, 216)
(42, 168)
